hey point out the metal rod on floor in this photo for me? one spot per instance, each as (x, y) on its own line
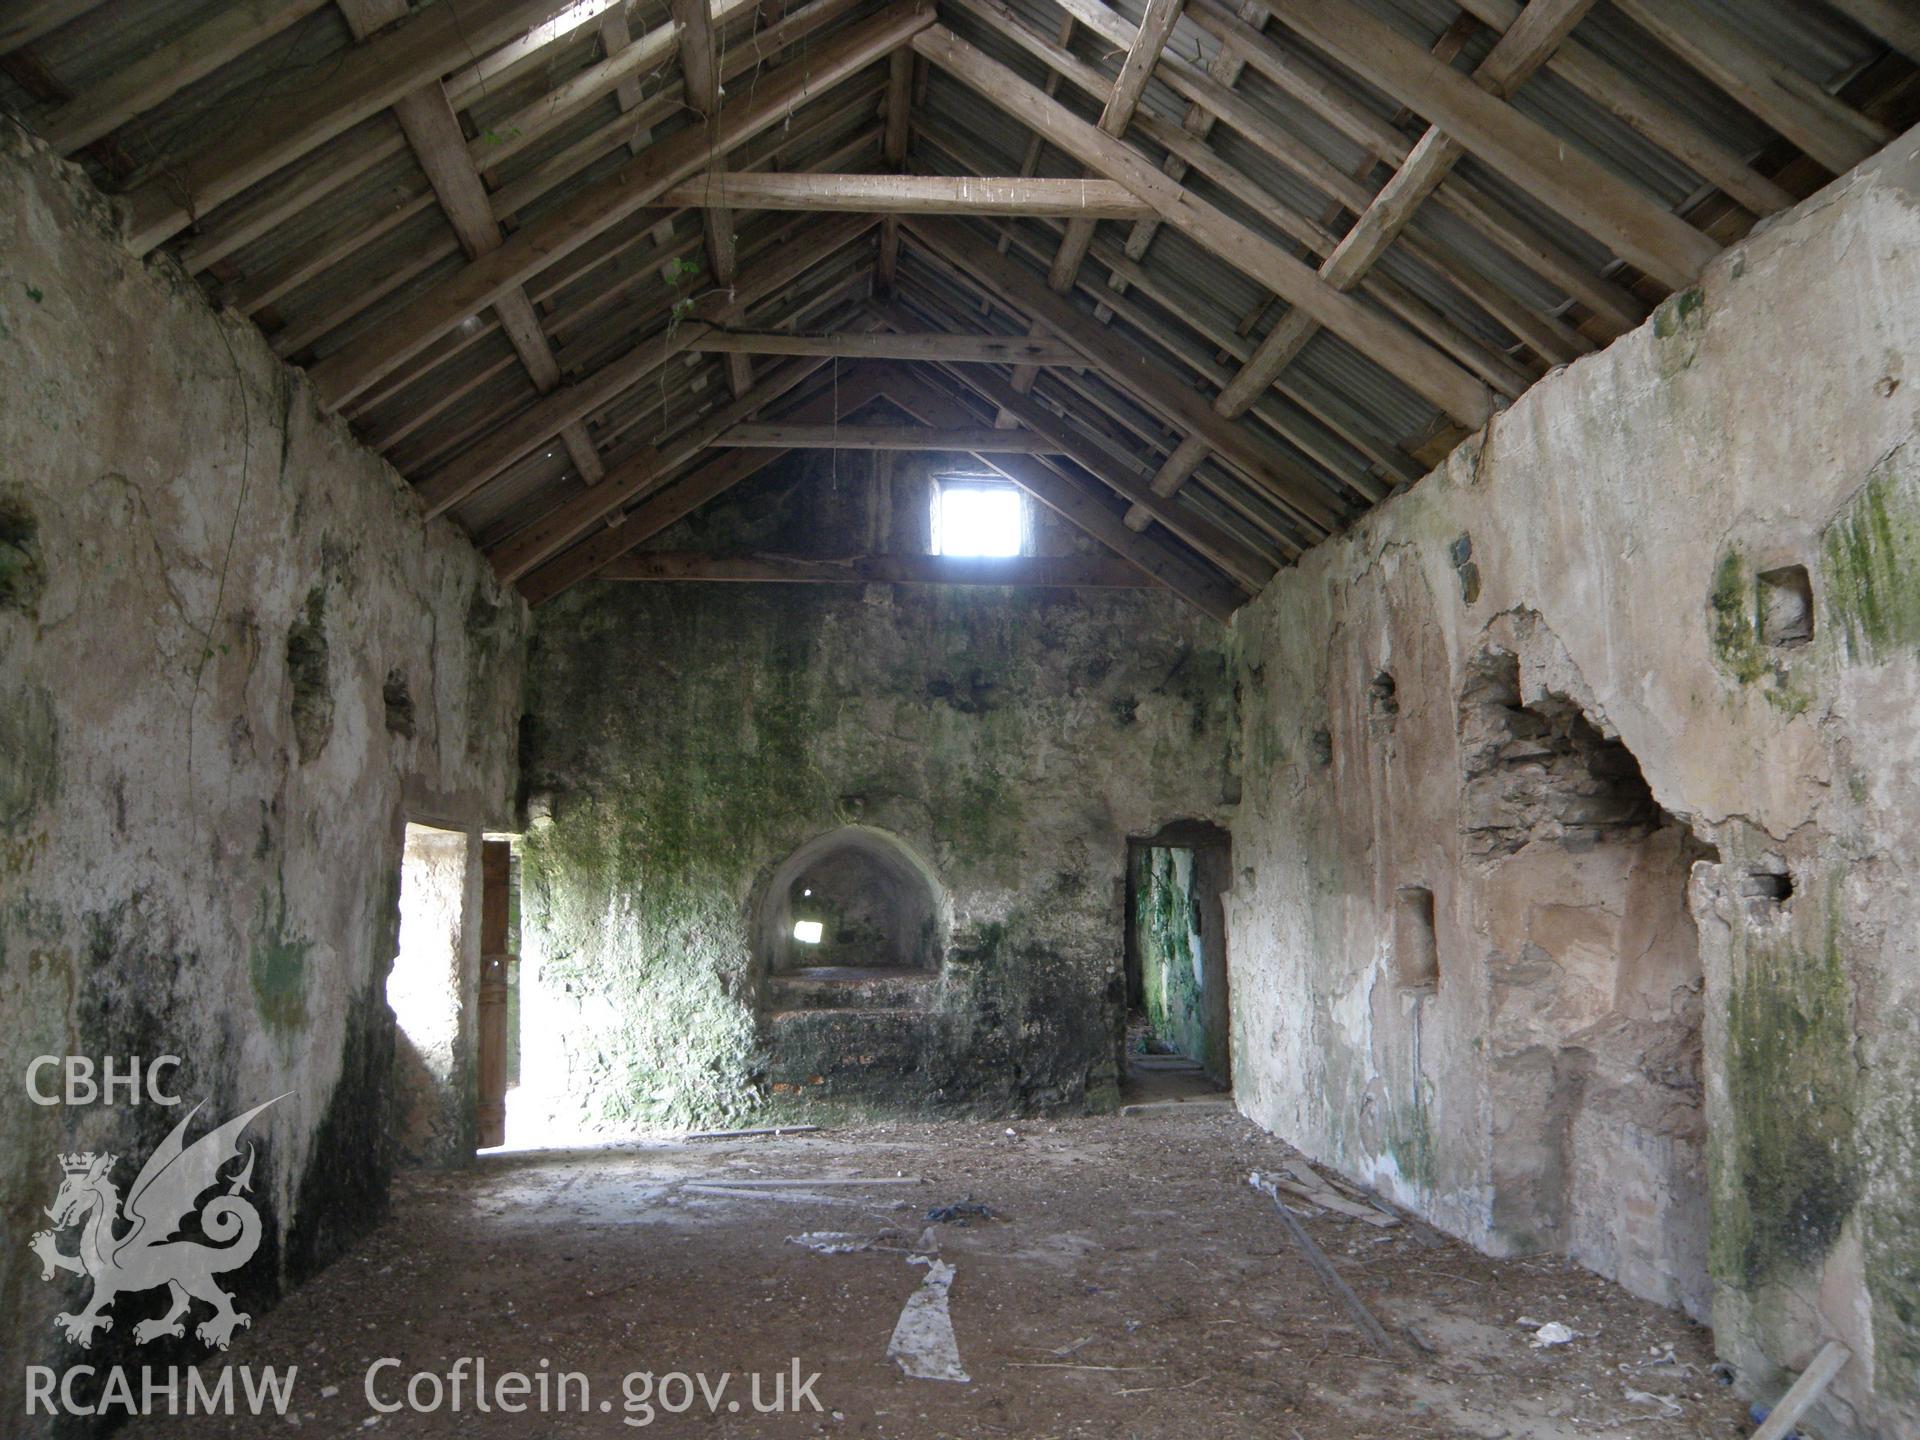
(1374, 1331)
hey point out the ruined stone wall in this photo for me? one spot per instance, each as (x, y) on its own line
(686, 739)
(1621, 560)
(233, 661)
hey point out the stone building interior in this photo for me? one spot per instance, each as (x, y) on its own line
(1047, 717)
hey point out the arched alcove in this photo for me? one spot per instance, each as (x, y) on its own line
(855, 902)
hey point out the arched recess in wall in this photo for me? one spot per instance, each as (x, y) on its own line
(855, 899)
(1595, 1052)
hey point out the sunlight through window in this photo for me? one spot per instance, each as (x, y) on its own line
(808, 932)
(974, 518)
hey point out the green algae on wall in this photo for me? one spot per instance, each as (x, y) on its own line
(1890, 1211)
(1871, 552)
(1171, 950)
(657, 950)
(278, 968)
(1736, 603)
(1787, 1169)
(684, 740)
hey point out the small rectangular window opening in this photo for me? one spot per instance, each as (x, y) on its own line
(978, 515)
(808, 932)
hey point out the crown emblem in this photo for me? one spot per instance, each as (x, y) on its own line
(80, 1162)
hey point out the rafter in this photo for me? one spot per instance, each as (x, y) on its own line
(1894, 21)
(534, 427)
(170, 69)
(1332, 104)
(1833, 133)
(682, 495)
(1027, 571)
(893, 150)
(1156, 25)
(636, 184)
(643, 471)
(433, 131)
(700, 72)
(368, 78)
(1420, 367)
(938, 345)
(927, 400)
(1522, 50)
(911, 195)
(1614, 211)
(1183, 407)
(26, 21)
(978, 439)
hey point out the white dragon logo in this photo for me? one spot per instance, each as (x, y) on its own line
(147, 1255)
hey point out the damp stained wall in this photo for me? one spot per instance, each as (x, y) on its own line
(1626, 537)
(686, 739)
(233, 662)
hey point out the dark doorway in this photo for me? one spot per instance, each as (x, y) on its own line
(1178, 1019)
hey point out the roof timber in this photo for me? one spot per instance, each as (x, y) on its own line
(940, 345)
(636, 184)
(913, 195)
(433, 131)
(1063, 571)
(1074, 501)
(1308, 247)
(1139, 374)
(1331, 106)
(1425, 370)
(680, 496)
(980, 440)
(28, 20)
(1534, 35)
(1892, 20)
(1306, 437)
(170, 69)
(369, 78)
(1833, 133)
(1116, 465)
(1607, 207)
(700, 68)
(534, 427)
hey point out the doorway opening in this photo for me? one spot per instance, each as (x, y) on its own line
(1178, 1030)
(427, 992)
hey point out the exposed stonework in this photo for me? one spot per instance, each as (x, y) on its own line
(205, 587)
(686, 740)
(1694, 552)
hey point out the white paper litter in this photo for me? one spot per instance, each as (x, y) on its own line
(1668, 1407)
(1551, 1333)
(831, 1242)
(923, 1342)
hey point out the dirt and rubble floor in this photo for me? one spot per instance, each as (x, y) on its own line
(1130, 1284)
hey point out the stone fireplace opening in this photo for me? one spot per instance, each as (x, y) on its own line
(1599, 1133)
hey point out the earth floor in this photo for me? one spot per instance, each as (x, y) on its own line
(1129, 1283)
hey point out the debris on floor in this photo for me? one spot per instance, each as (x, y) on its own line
(1546, 1333)
(923, 1343)
(1178, 1314)
(964, 1212)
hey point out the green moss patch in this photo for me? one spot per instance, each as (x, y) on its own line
(1871, 552)
(1787, 1169)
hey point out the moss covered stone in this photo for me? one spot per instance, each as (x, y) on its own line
(1871, 552)
(690, 738)
(1787, 1171)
